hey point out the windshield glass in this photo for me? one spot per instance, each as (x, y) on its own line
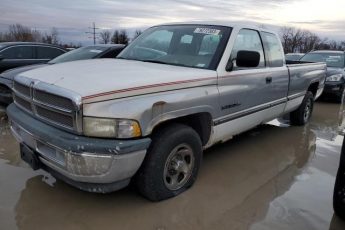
(83, 53)
(195, 46)
(332, 59)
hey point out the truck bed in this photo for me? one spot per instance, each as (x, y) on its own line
(303, 74)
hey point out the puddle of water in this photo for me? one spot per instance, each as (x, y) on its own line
(272, 177)
(300, 207)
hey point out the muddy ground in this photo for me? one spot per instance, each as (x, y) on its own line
(272, 177)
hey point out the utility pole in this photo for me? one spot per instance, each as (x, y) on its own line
(93, 28)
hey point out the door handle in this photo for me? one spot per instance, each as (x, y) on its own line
(268, 80)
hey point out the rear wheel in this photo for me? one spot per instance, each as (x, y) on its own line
(339, 187)
(302, 115)
(171, 164)
(339, 194)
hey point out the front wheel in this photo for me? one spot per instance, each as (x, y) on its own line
(302, 115)
(171, 164)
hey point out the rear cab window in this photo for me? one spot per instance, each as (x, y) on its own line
(273, 49)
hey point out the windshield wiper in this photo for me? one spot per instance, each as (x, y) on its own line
(162, 62)
(156, 61)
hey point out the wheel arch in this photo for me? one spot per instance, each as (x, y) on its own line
(201, 122)
(313, 87)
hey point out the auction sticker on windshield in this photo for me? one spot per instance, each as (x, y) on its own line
(96, 51)
(333, 59)
(206, 31)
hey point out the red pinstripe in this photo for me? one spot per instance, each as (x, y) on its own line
(146, 87)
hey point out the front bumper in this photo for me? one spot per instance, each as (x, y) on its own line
(92, 164)
(334, 88)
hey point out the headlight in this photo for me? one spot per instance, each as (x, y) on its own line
(115, 128)
(336, 77)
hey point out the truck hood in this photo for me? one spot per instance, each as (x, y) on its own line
(11, 73)
(105, 79)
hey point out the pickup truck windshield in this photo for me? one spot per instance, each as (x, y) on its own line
(332, 59)
(83, 53)
(197, 46)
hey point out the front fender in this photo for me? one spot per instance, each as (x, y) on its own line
(152, 109)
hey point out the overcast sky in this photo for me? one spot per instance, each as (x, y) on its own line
(73, 17)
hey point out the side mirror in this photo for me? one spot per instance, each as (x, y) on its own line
(248, 59)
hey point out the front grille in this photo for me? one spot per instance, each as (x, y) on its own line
(4, 90)
(55, 117)
(51, 99)
(22, 89)
(23, 103)
(49, 103)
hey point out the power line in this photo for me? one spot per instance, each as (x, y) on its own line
(93, 28)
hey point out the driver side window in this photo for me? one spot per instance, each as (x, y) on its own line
(248, 40)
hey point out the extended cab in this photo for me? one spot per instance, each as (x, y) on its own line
(147, 116)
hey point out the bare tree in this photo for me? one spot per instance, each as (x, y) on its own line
(310, 42)
(297, 40)
(120, 37)
(115, 37)
(55, 36)
(105, 37)
(137, 33)
(36, 35)
(2, 37)
(124, 39)
(52, 37)
(18, 32)
(46, 38)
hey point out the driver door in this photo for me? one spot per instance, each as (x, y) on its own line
(242, 91)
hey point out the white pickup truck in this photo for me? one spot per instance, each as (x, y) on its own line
(147, 116)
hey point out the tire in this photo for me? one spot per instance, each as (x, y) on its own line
(339, 187)
(339, 98)
(302, 115)
(339, 194)
(172, 163)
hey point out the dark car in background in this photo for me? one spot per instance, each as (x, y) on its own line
(16, 54)
(335, 60)
(88, 52)
(293, 56)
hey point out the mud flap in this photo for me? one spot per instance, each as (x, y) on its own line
(29, 157)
